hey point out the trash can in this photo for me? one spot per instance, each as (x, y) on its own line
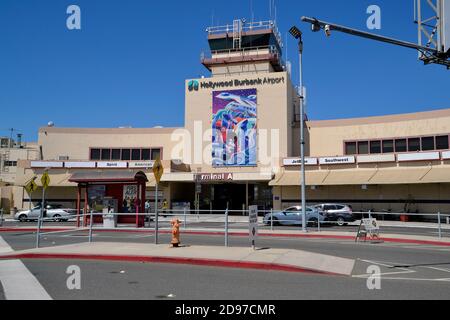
(109, 220)
(404, 218)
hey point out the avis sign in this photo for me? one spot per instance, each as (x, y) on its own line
(253, 224)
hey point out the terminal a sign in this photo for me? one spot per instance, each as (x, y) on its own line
(238, 83)
(206, 177)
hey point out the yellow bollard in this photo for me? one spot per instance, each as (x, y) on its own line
(175, 233)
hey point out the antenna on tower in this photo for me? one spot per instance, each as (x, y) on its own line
(251, 12)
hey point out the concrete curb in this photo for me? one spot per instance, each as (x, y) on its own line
(157, 259)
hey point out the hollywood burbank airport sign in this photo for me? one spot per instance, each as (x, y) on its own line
(195, 85)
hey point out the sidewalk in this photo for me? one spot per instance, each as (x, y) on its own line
(289, 233)
(236, 257)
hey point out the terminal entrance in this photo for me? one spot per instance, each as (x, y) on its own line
(236, 195)
(229, 193)
(215, 196)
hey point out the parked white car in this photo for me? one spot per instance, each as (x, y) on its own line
(52, 212)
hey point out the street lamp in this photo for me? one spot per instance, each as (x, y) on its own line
(297, 34)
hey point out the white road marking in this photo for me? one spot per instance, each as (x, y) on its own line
(416, 279)
(439, 269)
(4, 246)
(17, 281)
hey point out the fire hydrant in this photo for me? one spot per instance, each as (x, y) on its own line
(175, 233)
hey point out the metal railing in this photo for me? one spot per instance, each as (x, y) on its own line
(226, 219)
(249, 26)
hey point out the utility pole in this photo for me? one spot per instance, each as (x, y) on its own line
(297, 34)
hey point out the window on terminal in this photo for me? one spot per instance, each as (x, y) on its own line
(363, 147)
(95, 154)
(388, 146)
(400, 145)
(428, 143)
(156, 153)
(146, 155)
(115, 154)
(442, 142)
(375, 147)
(106, 154)
(350, 148)
(126, 154)
(413, 144)
(136, 154)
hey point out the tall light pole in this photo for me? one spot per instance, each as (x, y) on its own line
(297, 34)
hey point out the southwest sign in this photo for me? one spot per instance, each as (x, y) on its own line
(337, 160)
(204, 177)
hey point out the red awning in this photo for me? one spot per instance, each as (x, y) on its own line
(111, 176)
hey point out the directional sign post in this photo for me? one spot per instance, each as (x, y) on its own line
(158, 171)
(253, 224)
(45, 180)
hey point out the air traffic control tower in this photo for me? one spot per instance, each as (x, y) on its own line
(243, 48)
(248, 102)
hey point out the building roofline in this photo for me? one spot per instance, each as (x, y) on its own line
(380, 119)
(108, 130)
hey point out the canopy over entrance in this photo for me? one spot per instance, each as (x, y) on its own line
(109, 176)
(122, 191)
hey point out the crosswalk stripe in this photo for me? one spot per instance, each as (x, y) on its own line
(17, 281)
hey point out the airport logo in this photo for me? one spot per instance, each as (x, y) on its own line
(193, 85)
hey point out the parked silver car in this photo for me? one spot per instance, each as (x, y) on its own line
(336, 213)
(51, 212)
(293, 216)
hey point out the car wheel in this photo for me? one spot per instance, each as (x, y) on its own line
(312, 222)
(23, 218)
(340, 221)
(275, 221)
(57, 218)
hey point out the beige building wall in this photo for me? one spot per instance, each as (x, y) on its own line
(327, 137)
(75, 143)
(275, 112)
(30, 151)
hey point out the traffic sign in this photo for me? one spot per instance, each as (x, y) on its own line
(31, 186)
(45, 180)
(253, 224)
(158, 170)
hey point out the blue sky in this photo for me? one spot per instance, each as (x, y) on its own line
(127, 65)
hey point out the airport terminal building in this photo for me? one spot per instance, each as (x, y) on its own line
(240, 147)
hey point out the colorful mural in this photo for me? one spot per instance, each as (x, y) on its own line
(234, 128)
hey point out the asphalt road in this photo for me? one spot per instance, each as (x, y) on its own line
(409, 271)
(122, 280)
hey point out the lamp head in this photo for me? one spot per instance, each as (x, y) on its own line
(295, 32)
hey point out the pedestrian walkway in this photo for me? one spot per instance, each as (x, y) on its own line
(238, 257)
(288, 232)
